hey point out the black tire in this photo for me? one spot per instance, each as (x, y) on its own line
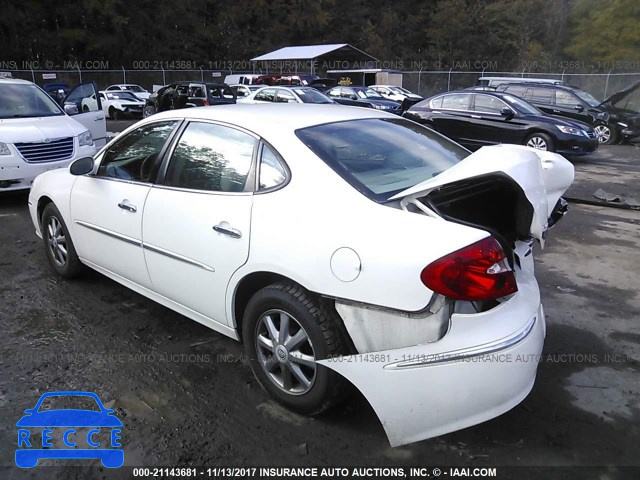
(325, 338)
(111, 113)
(539, 139)
(607, 135)
(68, 266)
(85, 109)
(148, 111)
(117, 114)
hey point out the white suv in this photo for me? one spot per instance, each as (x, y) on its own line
(36, 135)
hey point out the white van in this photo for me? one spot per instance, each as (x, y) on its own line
(241, 78)
(37, 135)
(495, 81)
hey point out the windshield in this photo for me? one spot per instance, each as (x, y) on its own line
(630, 101)
(25, 101)
(309, 95)
(400, 90)
(382, 157)
(587, 97)
(368, 93)
(133, 88)
(122, 96)
(522, 106)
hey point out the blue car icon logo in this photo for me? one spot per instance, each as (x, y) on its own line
(102, 439)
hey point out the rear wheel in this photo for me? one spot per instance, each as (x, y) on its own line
(285, 332)
(540, 141)
(58, 244)
(605, 134)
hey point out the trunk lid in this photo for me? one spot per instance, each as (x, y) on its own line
(509, 190)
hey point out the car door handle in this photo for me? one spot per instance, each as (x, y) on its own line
(476, 116)
(556, 111)
(127, 206)
(226, 229)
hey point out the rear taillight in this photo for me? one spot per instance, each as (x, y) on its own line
(477, 272)
(205, 103)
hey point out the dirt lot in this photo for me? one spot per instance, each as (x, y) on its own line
(187, 397)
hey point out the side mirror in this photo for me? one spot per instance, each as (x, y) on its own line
(507, 112)
(82, 166)
(579, 108)
(71, 109)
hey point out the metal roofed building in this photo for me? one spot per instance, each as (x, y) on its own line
(313, 58)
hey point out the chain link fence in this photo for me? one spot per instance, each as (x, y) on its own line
(425, 83)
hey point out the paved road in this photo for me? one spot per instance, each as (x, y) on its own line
(187, 397)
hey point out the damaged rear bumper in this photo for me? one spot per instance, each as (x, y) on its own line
(484, 366)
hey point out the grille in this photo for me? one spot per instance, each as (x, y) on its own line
(591, 134)
(53, 151)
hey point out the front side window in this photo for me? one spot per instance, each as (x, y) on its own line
(135, 156)
(566, 99)
(266, 95)
(211, 157)
(285, 96)
(489, 104)
(382, 157)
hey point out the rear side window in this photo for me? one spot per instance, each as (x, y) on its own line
(381, 157)
(272, 172)
(541, 95)
(456, 101)
(436, 102)
(211, 157)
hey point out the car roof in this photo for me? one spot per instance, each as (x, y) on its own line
(269, 119)
(539, 85)
(15, 81)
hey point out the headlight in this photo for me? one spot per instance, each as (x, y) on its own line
(569, 130)
(4, 149)
(85, 139)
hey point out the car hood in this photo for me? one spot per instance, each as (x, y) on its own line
(556, 120)
(38, 129)
(542, 176)
(616, 97)
(69, 418)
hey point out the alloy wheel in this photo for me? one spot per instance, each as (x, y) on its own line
(57, 241)
(285, 352)
(603, 133)
(537, 142)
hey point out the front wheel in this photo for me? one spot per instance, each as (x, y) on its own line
(148, 111)
(285, 332)
(605, 134)
(540, 141)
(58, 246)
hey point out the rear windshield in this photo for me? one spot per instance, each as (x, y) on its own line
(382, 157)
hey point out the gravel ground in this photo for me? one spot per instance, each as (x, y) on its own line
(187, 397)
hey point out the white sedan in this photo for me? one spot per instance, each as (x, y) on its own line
(137, 90)
(338, 244)
(286, 95)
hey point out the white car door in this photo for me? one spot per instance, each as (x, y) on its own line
(197, 218)
(87, 111)
(107, 206)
